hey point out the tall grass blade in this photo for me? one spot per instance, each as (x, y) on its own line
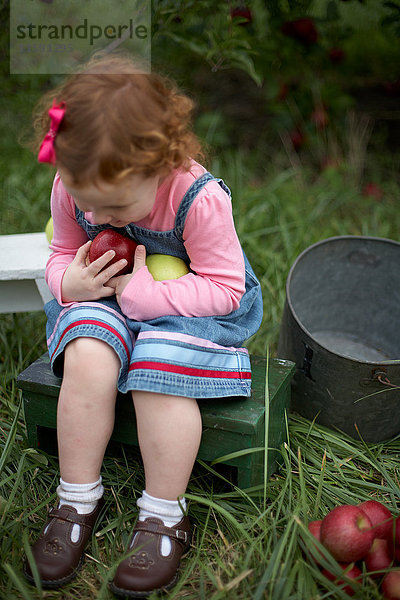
(225, 513)
(320, 486)
(10, 439)
(237, 454)
(32, 563)
(266, 428)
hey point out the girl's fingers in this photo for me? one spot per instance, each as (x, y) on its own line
(140, 258)
(82, 253)
(97, 265)
(107, 291)
(112, 270)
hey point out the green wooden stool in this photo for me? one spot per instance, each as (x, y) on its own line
(229, 425)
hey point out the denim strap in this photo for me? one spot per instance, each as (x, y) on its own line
(188, 198)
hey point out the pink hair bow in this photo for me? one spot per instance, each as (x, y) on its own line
(47, 151)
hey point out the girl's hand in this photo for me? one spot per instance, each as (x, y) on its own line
(82, 282)
(119, 283)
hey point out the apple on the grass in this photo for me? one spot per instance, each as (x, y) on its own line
(347, 533)
(314, 527)
(379, 558)
(350, 571)
(163, 267)
(390, 587)
(109, 239)
(380, 517)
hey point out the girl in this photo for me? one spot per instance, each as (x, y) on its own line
(124, 154)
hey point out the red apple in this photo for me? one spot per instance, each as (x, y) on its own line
(379, 558)
(336, 55)
(242, 12)
(320, 117)
(314, 527)
(283, 92)
(303, 30)
(109, 239)
(380, 517)
(297, 138)
(330, 163)
(347, 533)
(372, 190)
(350, 571)
(391, 585)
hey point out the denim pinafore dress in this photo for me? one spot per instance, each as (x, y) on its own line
(196, 357)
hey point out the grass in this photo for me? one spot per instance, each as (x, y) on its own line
(245, 547)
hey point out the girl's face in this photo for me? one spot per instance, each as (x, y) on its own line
(115, 204)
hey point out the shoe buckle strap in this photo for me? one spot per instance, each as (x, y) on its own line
(64, 515)
(181, 535)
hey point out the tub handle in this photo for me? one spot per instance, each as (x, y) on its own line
(384, 380)
(381, 376)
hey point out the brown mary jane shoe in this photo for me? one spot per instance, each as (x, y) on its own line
(58, 558)
(146, 570)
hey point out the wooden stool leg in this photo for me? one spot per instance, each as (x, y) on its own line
(39, 410)
(244, 477)
(251, 472)
(31, 423)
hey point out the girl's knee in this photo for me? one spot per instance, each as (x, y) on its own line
(89, 353)
(92, 366)
(150, 401)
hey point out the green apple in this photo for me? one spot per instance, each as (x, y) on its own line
(49, 230)
(164, 266)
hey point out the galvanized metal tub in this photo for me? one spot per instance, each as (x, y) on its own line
(341, 327)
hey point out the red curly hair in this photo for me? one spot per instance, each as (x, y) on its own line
(119, 121)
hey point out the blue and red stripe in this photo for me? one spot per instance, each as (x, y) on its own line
(91, 322)
(190, 371)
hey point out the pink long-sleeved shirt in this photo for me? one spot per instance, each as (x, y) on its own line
(218, 280)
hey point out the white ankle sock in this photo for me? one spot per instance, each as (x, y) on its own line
(169, 511)
(82, 496)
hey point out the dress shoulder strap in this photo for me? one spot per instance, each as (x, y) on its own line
(188, 198)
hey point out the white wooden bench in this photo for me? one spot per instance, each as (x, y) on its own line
(23, 260)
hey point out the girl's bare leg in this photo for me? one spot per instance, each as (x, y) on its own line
(169, 430)
(86, 406)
